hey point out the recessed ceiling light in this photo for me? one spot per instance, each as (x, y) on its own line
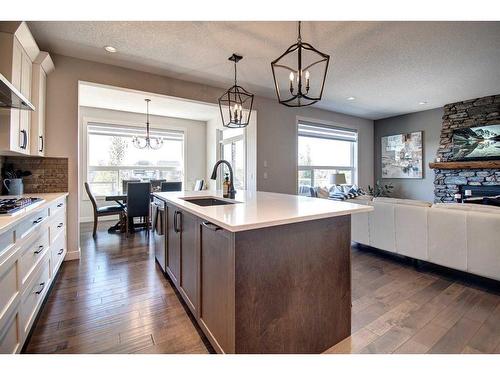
(351, 98)
(110, 49)
(422, 103)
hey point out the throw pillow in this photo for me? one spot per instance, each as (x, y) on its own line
(322, 192)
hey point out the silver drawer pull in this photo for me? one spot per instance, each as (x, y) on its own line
(41, 290)
(40, 249)
(210, 226)
(60, 252)
(38, 220)
(60, 204)
(60, 225)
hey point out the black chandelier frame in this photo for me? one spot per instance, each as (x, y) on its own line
(236, 96)
(295, 99)
(147, 141)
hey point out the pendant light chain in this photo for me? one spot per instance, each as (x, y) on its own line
(147, 118)
(235, 73)
(142, 143)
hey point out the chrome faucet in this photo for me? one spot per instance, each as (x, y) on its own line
(231, 191)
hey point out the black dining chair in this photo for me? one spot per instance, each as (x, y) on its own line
(125, 184)
(138, 204)
(171, 186)
(156, 184)
(102, 211)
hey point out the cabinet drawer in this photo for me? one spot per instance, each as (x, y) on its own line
(9, 285)
(10, 336)
(32, 253)
(33, 295)
(57, 206)
(6, 241)
(31, 223)
(57, 225)
(57, 253)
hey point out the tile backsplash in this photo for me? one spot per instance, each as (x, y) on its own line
(49, 175)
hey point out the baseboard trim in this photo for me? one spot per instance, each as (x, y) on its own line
(90, 219)
(72, 255)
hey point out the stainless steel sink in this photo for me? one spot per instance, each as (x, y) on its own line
(208, 201)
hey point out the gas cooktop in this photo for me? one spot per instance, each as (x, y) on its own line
(14, 206)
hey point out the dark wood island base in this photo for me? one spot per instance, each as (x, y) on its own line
(277, 289)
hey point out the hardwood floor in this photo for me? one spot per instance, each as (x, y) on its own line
(115, 300)
(398, 309)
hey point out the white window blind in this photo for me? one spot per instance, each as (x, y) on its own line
(315, 131)
(130, 131)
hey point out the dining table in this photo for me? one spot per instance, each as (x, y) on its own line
(121, 199)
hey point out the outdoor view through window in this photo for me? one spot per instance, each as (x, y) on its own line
(112, 158)
(323, 151)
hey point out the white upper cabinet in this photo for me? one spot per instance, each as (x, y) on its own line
(18, 50)
(42, 66)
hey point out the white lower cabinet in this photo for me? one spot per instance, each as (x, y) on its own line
(10, 335)
(31, 253)
(33, 295)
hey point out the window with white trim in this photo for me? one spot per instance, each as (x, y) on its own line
(322, 151)
(112, 158)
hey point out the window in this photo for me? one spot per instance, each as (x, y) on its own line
(232, 149)
(323, 151)
(112, 158)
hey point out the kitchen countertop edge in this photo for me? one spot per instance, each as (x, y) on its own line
(7, 222)
(197, 211)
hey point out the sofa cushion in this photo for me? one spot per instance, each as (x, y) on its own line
(410, 222)
(468, 207)
(410, 202)
(447, 236)
(337, 193)
(321, 192)
(364, 197)
(483, 249)
(381, 226)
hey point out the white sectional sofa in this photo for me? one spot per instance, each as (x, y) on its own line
(465, 237)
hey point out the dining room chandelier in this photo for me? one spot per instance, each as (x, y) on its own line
(147, 141)
(236, 103)
(299, 74)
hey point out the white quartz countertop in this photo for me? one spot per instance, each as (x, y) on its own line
(257, 209)
(7, 222)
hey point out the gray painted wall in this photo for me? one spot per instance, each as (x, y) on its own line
(430, 123)
(276, 127)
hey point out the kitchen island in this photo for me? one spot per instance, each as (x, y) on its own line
(263, 272)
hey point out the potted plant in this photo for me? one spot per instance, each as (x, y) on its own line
(380, 190)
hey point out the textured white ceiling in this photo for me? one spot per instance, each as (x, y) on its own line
(388, 66)
(102, 96)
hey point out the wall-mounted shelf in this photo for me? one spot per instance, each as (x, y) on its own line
(486, 164)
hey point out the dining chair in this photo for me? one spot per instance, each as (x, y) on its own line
(126, 182)
(171, 186)
(156, 184)
(102, 211)
(138, 204)
(199, 184)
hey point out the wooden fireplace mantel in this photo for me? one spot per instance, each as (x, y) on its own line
(486, 164)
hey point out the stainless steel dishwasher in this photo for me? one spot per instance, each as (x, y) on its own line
(159, 209)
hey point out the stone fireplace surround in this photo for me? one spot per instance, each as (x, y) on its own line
(469, 113)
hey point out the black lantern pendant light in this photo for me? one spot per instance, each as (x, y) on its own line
(148, 141)
(299, 74)
(236, 103)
